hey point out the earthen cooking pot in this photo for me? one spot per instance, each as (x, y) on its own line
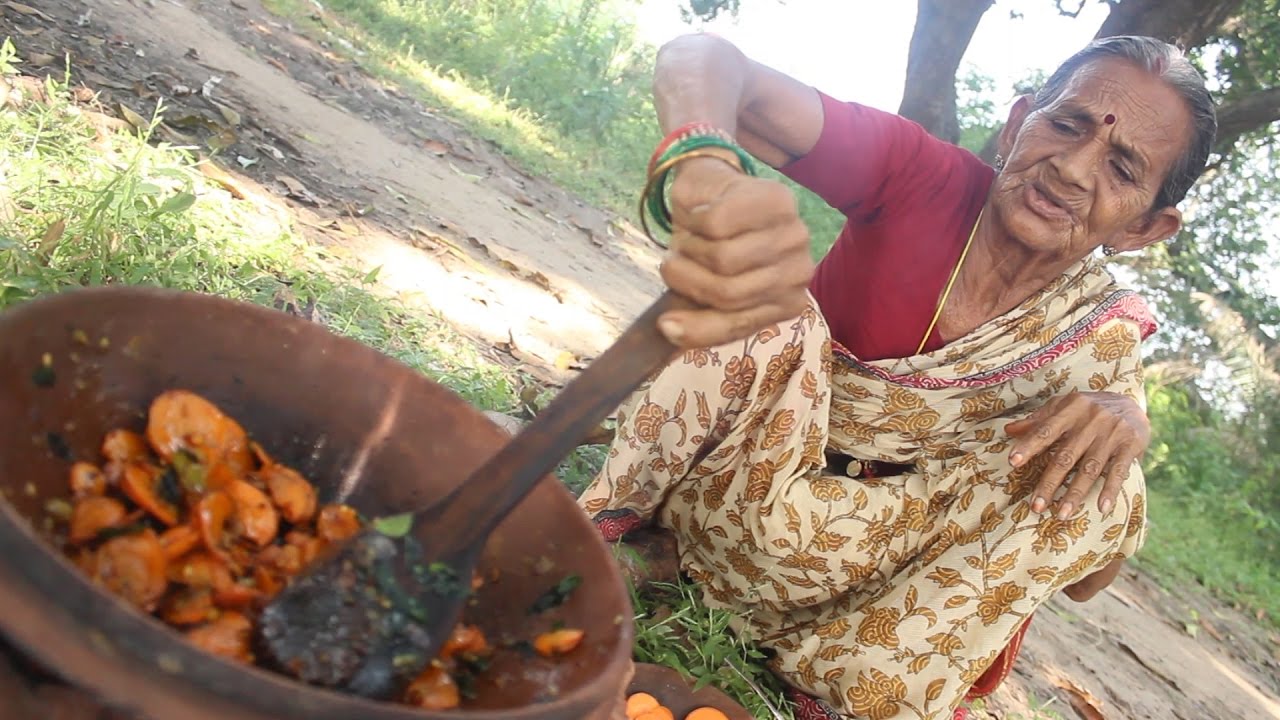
(313, 400)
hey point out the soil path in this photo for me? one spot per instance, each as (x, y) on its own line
(541, 281)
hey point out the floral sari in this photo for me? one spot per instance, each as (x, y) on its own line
(862, 519)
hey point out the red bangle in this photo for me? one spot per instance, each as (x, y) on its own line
(686, 130)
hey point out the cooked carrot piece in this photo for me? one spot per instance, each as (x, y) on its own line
(308, 546)
(661, 712)
(235, 596)
(142, 485)
(125, 446)
(133, 567)
(284, 559)
(558, 642)
(179, 540)
(337, 522)
(291, 492)
(639, 703)
(87, 480)
(181, 420)
(254, 514)
(189, 606)
(268, 582)
(227, 636)
(92, 515)
(201, 570)
(464, 640)
(434, 689)
(264, 460)
(212, 513)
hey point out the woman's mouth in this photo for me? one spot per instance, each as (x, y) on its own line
(1044, 203)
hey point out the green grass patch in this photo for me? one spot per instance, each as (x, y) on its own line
(1209, 542)
(81, 208)
(562, 87)
(675, 629)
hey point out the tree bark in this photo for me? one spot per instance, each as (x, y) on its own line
(1187, 23)
(1249, 112)
(941, 36)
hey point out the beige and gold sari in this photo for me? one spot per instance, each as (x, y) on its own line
(885, 597)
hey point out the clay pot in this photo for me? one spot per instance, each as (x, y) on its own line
(313, 400)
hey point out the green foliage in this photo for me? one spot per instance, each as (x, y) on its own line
(1214, 501)
(574, 66)
(9, 59)
(676, 630)
(707, 10)
(76, 210)
(975, 109)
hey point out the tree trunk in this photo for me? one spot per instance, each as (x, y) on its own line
(942, 33)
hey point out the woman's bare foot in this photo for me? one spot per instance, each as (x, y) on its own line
(648, 556)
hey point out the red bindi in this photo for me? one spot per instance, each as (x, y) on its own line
(1110, 119)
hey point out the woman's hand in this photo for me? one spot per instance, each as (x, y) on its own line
(738, 248)
(1098, 435)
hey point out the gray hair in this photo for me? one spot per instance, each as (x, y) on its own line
(1168, 63)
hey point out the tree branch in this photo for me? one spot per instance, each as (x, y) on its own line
(1250, 112)
(1187, 23)
(942, 33)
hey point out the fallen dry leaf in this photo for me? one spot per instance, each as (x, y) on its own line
(1082, 701)
(540, 280)
(27, 10)
(222, 140)
(278, 65)
(30, 31)
(565, 360)
(231, 116)
(297, 190)
(436, 147)
(1209, 628)
(217, 175)
(132, 117)
(41, 59)
(52, 236)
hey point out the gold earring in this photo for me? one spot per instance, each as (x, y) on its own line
(1109, 251)
(999, 162)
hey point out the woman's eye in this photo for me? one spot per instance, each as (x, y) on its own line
(1063, 127)
(1124, 174)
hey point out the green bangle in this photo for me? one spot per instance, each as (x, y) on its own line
(655, 197)
(699, 142)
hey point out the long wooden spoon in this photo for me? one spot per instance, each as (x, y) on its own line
(368, 617)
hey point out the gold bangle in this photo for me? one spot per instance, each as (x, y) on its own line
(658, 176)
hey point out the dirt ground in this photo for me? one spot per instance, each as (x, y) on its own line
(542, 282)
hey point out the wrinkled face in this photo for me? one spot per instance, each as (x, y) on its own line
(1085, 170)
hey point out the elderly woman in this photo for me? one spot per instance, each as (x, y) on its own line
(884, 467)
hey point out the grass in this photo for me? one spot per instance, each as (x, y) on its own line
(604, 168)
(1196, 543)
(80, 208)
(674, 629)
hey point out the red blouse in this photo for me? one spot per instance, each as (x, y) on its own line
(910, 201)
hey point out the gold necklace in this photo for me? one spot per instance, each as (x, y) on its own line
(946, 291)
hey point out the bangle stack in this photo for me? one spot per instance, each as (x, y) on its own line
(685, 143)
